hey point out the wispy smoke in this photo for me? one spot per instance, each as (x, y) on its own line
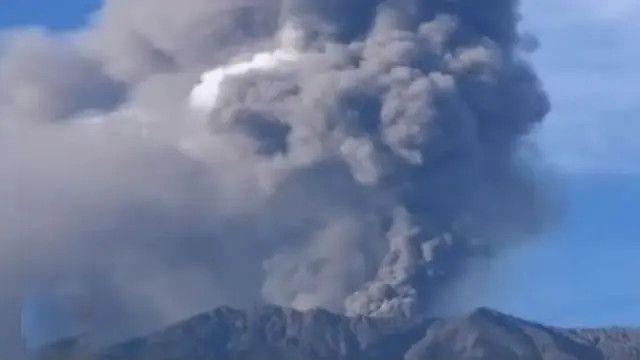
(354, 155)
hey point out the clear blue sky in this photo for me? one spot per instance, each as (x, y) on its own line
(584, 273)
(55, 14)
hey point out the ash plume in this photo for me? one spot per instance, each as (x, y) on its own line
(351, 155)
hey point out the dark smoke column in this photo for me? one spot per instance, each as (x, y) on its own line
(457, 101)
(426, 103)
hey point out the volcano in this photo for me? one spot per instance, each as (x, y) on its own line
(278, 333)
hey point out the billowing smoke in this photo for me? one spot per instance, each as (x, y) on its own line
(174, 156)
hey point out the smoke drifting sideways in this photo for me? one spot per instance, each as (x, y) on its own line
(352, 155)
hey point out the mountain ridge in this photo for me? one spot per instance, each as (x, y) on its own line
(278, 333)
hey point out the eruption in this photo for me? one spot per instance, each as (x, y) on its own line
(355, 155)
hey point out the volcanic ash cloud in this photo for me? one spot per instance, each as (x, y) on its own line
(353, 155)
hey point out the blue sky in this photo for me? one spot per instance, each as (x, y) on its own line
(589, 63)
(582, 273)
(55, 14)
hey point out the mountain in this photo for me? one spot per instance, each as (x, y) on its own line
(271, 332)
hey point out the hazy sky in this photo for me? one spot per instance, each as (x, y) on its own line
(588, 61)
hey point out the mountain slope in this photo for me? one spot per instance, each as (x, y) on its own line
(277, 333)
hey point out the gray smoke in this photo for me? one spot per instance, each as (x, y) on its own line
(174, 156)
